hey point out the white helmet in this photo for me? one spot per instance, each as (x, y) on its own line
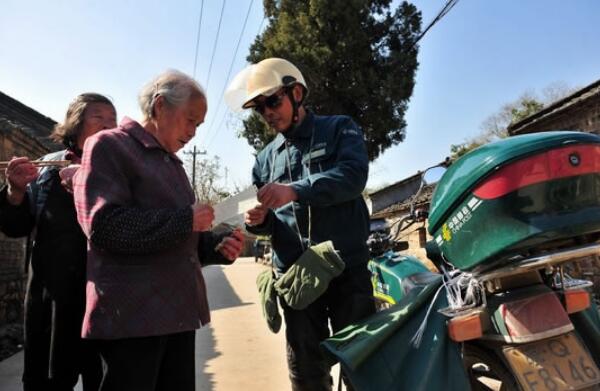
(264, 78)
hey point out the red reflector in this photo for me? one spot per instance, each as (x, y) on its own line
(464, 328)
(576, 300)
(554, 164)
(533, 315)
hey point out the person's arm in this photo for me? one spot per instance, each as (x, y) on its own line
(346, 179)
(266, 226)
(103, 201)
(15, 220)
(262, 220)
(128, 230)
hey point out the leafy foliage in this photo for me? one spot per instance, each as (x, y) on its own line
(496, 125)
(357, 56)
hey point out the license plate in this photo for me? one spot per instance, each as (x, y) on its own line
(557, 364)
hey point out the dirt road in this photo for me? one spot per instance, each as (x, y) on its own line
(237, 351)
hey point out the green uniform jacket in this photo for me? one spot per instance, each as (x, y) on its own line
(332, 187)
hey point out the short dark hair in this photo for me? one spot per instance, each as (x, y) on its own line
(67, 132)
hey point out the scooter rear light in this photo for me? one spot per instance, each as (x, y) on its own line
(576, 300)
(534, 317)
(554, 164)
(466, 327)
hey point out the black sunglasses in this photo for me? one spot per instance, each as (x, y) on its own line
(271, 102)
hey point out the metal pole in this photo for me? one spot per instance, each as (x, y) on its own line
(194, 169)
(194, 152)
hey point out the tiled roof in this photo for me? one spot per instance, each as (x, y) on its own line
(556, 107)
(404, 206)
(16, 116)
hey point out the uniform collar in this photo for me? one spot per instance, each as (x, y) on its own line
(301, 131)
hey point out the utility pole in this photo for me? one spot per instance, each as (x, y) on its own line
(194, 152)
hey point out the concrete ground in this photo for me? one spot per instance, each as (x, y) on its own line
(235, 352)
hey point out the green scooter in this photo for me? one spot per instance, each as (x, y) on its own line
(502, 313)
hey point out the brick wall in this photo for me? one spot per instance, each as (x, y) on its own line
(23, 132)
(584, 116)
(416, 236)
(12, 251)
(12, 279)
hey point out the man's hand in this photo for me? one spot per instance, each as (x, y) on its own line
(19, 173)
(66, 176)
(203, 217)
(231, 246)
(274, 195)
(256, 215)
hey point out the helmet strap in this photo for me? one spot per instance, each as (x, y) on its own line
(290, 94)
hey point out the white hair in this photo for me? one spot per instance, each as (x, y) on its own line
(175, 86)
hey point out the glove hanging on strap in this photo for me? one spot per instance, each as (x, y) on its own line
(309, 277)
(268, 300)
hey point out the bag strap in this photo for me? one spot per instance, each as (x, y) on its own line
(289, 170)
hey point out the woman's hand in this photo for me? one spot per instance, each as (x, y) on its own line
(231, 246)
(19, 173)
(66, 176)
(203, 217)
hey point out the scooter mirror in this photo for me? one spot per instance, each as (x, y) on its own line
(433, 174)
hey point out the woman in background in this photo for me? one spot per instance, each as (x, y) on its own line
(39, 204)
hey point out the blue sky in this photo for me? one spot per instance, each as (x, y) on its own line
(483, 54)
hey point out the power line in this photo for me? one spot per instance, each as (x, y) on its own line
(447, 7)
(217, 131)
(212, 57)
(198, 38)
(225, 114)
(237, 46)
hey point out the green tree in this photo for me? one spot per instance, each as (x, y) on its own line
(357, 56)
(496, 125)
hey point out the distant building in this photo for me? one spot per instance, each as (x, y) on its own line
(578, 111)
(394, 202)
(386, 199)
(23, 132)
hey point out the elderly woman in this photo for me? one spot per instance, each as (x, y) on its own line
(148, 240)
(40, 204)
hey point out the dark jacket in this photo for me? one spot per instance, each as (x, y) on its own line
(133, 202)
(332, 186)
(55, 297)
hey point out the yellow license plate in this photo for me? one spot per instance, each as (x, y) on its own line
(556, 364)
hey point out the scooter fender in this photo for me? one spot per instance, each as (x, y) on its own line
(393, 275)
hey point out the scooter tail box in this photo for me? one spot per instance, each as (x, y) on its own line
(510, 196)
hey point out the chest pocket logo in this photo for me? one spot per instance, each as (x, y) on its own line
(319, 157)
(315, 154)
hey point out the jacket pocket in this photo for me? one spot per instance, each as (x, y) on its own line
(320, 158)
